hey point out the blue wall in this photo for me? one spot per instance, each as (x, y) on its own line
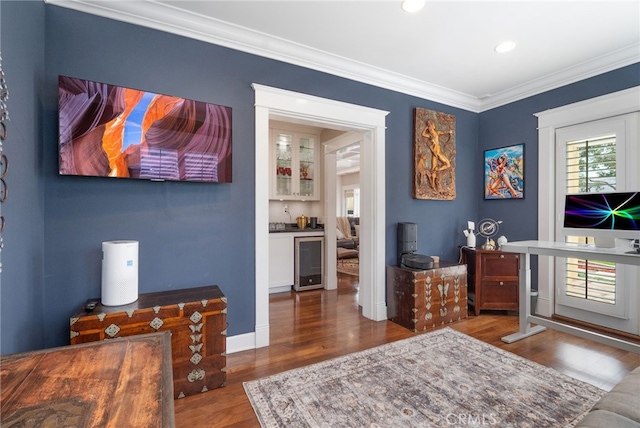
(516, 124)
(194, 234)
(190, 234)
(23, 312)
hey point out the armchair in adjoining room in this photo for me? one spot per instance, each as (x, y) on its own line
(347, 232)
(348, 242)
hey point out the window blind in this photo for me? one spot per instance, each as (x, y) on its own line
(590, 167)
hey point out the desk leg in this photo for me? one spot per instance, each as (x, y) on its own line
(524, 288)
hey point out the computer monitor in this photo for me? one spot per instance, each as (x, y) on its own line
(604, 216)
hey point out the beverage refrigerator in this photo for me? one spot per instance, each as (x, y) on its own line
(309, 263)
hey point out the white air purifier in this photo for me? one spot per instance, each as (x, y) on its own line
(119, 272)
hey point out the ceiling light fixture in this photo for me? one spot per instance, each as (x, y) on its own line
(412, 6)
(505, 46)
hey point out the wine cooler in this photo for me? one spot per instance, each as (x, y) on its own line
(309, 263)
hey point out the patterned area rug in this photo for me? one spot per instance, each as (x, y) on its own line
(349, 266)
(438, 379)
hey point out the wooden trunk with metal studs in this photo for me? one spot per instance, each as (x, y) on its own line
(196, 317)
(424, 299)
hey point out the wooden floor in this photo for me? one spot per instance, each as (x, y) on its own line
(317, 325)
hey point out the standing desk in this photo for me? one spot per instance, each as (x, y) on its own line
(560, 249)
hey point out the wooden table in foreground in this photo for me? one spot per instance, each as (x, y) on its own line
(117, 383)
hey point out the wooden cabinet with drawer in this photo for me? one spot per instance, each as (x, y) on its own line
(492, 279)
(196, 318)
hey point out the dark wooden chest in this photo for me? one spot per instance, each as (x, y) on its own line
(424, 299)
(196, 318)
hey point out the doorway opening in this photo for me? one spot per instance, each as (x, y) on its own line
(278, 104)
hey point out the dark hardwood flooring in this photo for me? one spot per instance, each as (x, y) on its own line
(317, 325)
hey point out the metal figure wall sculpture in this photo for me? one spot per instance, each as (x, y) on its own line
(434, 153)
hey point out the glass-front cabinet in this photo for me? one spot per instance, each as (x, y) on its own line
(295, 168)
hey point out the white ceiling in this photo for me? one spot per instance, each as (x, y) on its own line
(444, 53)
(348, 159)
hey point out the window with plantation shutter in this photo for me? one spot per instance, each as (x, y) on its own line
(590, 167)
(584, 147)
(594, 157)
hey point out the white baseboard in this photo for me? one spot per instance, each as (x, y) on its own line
(543, 307)
(262, 335)
(241, 342)
(381, 311)
(253, 340)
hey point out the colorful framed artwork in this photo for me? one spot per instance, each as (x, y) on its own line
(504, 172)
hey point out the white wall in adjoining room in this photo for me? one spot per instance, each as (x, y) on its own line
(351, 179)
(296, 208)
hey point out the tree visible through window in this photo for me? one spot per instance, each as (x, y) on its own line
(591, 165)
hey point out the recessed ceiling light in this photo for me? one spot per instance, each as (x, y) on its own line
(505, 46)
(412, 6)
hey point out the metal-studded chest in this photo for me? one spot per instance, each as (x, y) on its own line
(196, 318)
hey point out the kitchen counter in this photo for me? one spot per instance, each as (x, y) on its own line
(296, 229)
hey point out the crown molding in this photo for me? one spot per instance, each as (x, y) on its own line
(166, 18)
(163, 17)
(612, 61)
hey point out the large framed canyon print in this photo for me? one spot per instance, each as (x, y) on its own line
(113, 131)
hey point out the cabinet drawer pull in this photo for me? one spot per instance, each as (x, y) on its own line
(502, 256)
(501, 283)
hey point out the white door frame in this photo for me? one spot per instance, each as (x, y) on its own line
(331, 205)
(610, 105)
(286, 105)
